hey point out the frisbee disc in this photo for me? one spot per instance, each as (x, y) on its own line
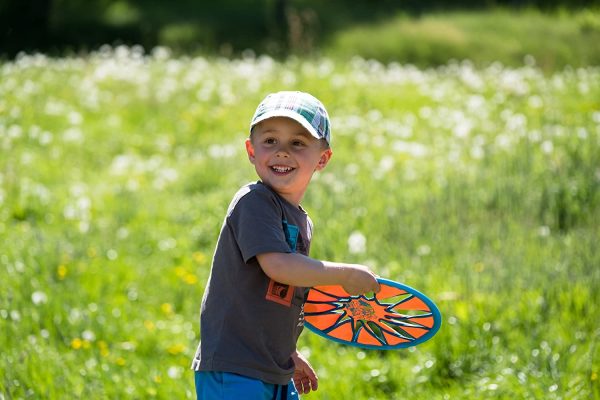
(396, 317)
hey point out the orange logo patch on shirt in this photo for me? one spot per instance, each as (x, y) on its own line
(280, 293)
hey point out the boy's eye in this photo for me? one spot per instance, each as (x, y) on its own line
(270, 140)
(298, 143)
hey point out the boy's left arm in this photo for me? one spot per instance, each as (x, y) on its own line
(305, 378)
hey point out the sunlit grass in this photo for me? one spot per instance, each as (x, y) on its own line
(477, 186)
(554, 39)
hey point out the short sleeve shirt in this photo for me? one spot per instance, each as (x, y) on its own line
(250, 324)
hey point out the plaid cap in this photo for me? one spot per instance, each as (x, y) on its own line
(299, 106)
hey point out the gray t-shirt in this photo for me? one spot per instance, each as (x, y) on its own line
(249, 324)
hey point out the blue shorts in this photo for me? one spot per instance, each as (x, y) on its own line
(212, 385)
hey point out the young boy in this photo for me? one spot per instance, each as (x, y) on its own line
(252, 310)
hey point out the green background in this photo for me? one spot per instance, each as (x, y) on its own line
(466, 159)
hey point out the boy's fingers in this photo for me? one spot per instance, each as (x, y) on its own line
(312, 379)
(377, 287)
(298, 385)
(303, 386)
(306, 382)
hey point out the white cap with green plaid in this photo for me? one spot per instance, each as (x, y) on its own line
(299, 106)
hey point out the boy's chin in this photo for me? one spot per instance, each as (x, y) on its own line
(278, 188)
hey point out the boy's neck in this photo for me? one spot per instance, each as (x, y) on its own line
(293, 200)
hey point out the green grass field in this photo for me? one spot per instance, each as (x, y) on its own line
(478, 187)
(554, 39)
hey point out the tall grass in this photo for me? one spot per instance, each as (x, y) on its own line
(555, 40)
(477, 186)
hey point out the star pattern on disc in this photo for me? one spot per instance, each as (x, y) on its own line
(391, 318)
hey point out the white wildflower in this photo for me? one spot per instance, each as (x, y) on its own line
(357, 243)
(39, 298)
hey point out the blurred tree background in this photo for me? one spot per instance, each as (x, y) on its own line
(227, 27)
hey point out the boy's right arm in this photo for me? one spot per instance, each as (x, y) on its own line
(299, 270)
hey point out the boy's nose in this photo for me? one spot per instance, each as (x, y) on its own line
(282, 152)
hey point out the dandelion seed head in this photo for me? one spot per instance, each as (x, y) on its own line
(15, 315)
(222, 151)
(88, 335)
(39, 297)
(112, 254)
(544, 231)
(424, 250)
(547, 147)
(357, 243)
(75, 118)
(73, 135)
(413, 149)
(175, 372)
(535, 101)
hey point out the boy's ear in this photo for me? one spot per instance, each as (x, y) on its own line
(325, 157)
(250, 150)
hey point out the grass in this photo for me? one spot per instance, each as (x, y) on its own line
(421, 33)
(555, 40)
(476, 185)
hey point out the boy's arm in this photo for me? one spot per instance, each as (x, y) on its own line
(299, 270)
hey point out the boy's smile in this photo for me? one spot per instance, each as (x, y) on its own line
(285, 156)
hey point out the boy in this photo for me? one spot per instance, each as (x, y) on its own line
(252, 310)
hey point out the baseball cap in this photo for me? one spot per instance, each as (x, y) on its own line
(299, 106)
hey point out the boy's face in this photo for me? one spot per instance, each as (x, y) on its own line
(285, 156)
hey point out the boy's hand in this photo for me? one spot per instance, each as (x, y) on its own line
(359, 280)
(305, 378)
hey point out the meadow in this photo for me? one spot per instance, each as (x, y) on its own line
(477, 185)
(556, 39)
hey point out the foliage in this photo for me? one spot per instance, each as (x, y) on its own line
(477, 186)
(425, 33)
(554, 40)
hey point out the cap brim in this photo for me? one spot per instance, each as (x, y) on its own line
(289, 114)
